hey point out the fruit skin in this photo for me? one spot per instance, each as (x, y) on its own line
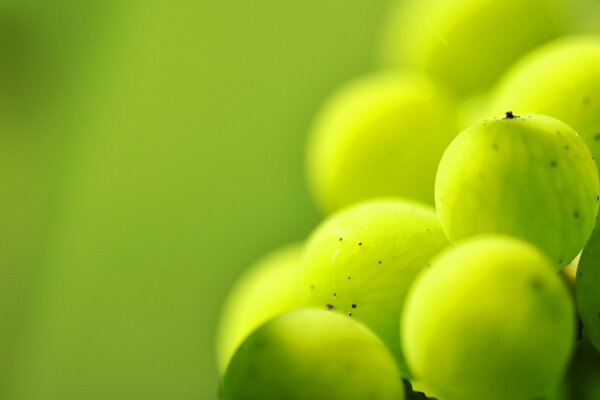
(582, 379)
(465, 44)
(361, 261)
(379, 136)
(528, 176)
(561, 79)
(587, 288)
(264, 291)
(312, 355)
(490, 319)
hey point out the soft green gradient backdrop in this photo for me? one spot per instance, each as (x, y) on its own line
(149, 151)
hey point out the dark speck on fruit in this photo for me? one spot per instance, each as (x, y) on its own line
(579, 274)
(560, 261)
(509, 115)
(360, 243)
(597, 198)
(353, 305)
(349, 314)
(536, 283)
(341, 239)
(575, 214)
(597, 136)
(553, 164)
(566, 147)
(495, 146)
(329, 306)
(379, 261)
(334, 294)
(348, 277)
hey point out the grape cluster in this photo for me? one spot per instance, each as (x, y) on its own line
(458, 259)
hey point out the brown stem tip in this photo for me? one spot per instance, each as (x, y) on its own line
(510, 115)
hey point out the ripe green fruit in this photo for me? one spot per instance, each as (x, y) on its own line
(312, 355)
(528, 176)
(361, 262)
(587, 288)
(561, 79)
(263, 292)
(583, 382)
(466, 44)
(379, 136)
(490, 319)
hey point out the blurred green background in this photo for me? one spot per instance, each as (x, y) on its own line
(149, 152)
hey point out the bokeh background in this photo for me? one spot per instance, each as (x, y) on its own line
(149, 152)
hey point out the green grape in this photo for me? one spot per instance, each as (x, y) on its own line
(587, 288)
(490, 319)
(263, 292)
(561, 79)
(380, 136)
(312, 355)
(466, 44)
(583, 377)
(528, 176)
(361, 261)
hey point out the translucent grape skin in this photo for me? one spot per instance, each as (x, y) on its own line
(361, 261)
(561, 79)
(312, 355)
(490, 319)
(264, 291)
(465, 44)
(528, 176)
(587, 288)
(380, 136)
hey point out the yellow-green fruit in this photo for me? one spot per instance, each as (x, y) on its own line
(561, 79)
(528, 176)
(266, 290)
(466, 44)
(490, 319)
(584, 372)
(587, 288)
(361, 261)
(379, 136)
(312, 355)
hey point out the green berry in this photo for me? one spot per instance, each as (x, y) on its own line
(264, 291)
(587, 288)
(561, 79)
(379, 136)
(312, 355)
(466, 44)
(528, 176)
(361, 261)
(490, 319)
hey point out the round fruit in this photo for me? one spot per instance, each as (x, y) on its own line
(561, 79)
(312, 355)
(380, 136)
(528, 176)
(263, 292)
(587, 288)
(490, 319)
(466, 44)
(361, 262)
